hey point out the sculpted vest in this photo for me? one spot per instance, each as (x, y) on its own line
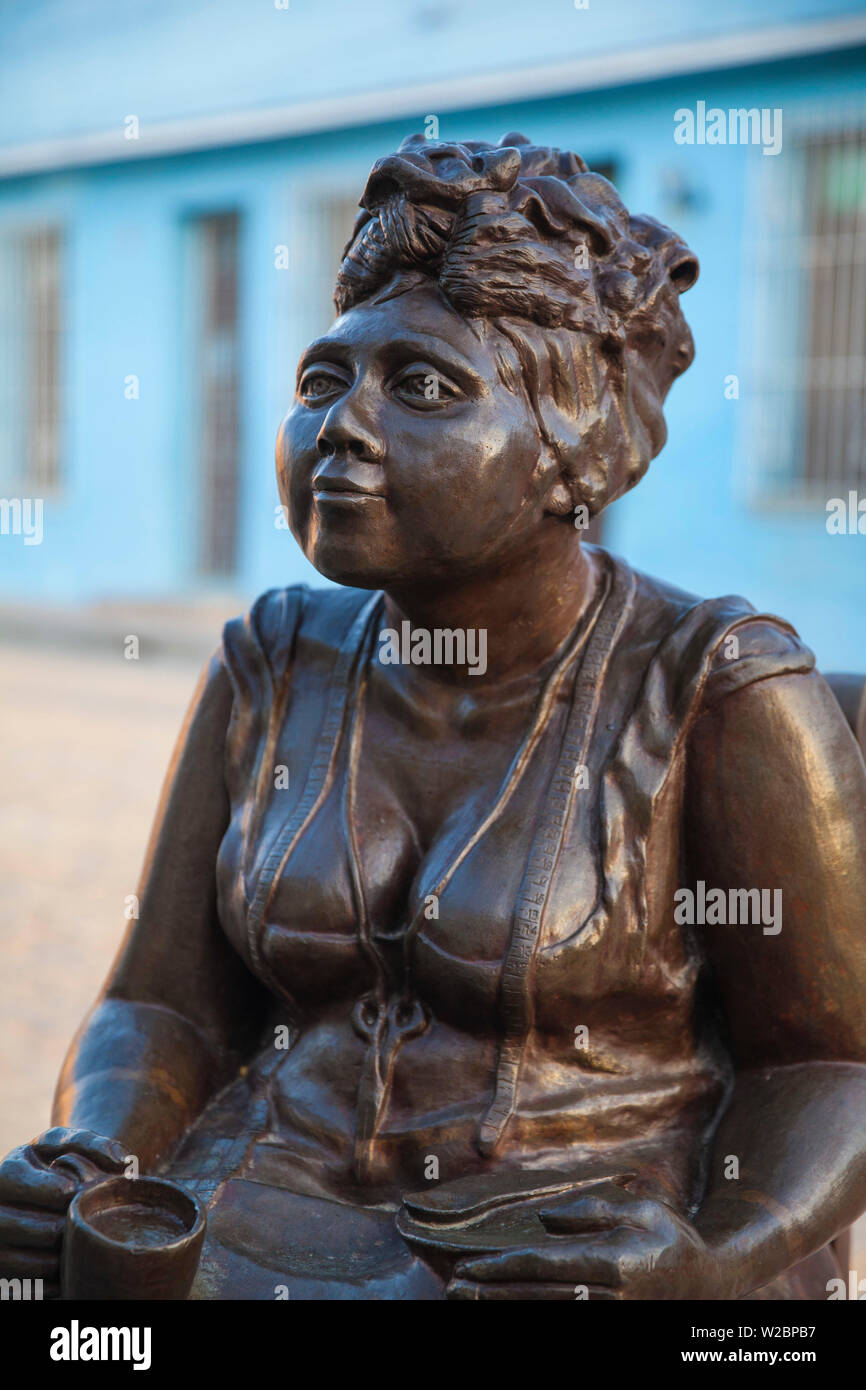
(569, 1038)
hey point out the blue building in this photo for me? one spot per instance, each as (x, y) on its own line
(177, 182)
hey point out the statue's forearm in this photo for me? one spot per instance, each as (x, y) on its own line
(788, 1169)
(138, 1073)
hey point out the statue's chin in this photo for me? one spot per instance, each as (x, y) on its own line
(360, 562)
(352, 579)
(374, 561)
(343, 569)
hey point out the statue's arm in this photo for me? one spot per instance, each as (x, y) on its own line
(179, 1011)
(776, 798)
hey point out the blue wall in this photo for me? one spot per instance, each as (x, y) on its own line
(78, 66)
(123, 523)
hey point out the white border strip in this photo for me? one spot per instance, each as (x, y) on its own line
(484, 89)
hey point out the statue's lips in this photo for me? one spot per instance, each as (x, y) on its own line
(343, 493)
(346, 499)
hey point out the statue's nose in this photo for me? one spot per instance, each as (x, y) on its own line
(347, 429)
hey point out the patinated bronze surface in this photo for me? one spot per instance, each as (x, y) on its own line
(417, 1002)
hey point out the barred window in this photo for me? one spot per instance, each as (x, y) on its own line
(809, 364)
(217, 360)
(31, 304)
(834, 447)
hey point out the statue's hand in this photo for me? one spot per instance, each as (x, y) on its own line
(606, 1243)
(34, 1195)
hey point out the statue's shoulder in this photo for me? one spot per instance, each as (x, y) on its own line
(268, 632)
(727, 638)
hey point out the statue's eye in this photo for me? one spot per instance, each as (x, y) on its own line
(316, 385)
(424, 387)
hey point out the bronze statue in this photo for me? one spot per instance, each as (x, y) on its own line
(502, 932)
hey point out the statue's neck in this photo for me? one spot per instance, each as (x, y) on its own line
(528, 609)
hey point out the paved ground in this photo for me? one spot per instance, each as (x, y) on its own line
(84, 741)
(85, 737)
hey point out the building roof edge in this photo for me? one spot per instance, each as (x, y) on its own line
(570, 76)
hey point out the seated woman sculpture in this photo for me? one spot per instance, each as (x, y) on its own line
(502, 931)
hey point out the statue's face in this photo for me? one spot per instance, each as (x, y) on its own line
(404, 458)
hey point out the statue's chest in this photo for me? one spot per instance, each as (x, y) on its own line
(531, 867)
(416, 860)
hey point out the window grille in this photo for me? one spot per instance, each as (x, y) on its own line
(218, 364)
(808, 437)
(31, 302)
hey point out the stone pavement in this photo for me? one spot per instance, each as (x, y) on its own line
(85, 738)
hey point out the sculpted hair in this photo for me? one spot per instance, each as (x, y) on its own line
(584, 296)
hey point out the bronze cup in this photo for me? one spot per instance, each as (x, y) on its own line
(132, 1238)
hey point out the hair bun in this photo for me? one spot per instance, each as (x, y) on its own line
(586, 294)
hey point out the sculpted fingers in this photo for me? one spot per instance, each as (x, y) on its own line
(47, 1173)
(19, 1263)
(465, 1290)
(26, 1180)
(587, 1261)
(35, 1230)
(59, 1142)
(602, 1209)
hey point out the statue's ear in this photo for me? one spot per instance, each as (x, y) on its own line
(559, 500)
(548, 473)
(683, 270)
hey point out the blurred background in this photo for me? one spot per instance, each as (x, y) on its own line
(177, 181)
